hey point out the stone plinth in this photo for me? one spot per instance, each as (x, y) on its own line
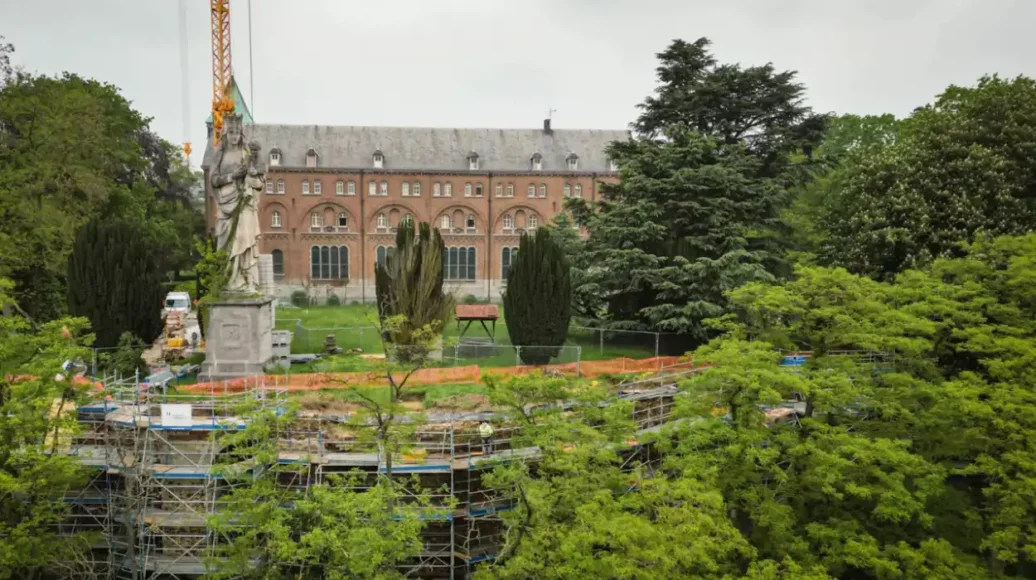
(239, 339)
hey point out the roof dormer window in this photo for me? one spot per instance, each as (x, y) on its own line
(378, 159)
(275, 157)
(473, 161)
(537, 161)
(311, 158)
(573, 161)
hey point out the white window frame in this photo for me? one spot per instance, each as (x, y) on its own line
(510, 190)
(436, 189)
(339, 188)
(447, 189)
(508, 222)
(573, 164)
(305, 187)
(467, 190)
(470, 220)
(350, 187)
(316, 220)
(542, 191)
(537, 164)
(382, 220)
(567, 190)
(407, 218)
(415, 190)
(379, 161)
(531, 190)
(318, 187)
(338, 220)
(383, 191)
(445, 222)
(275, 159)
(478, 190)
(578, 190)
(275, 219)
(472, 163)
(311, 160)
(269, 186)
(498, 190)
(372, 188)
(404, 189)
(280, 187)
(533, 222)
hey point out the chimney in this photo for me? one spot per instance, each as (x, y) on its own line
(546, 125)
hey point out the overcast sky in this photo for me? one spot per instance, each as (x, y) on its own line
(494, 63)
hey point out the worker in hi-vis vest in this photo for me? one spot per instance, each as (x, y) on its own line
(486, 431)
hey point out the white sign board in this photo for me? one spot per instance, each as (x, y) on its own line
(176, 416)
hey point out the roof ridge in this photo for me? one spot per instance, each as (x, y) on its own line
(327, 126)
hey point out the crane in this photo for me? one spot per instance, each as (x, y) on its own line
(222, 99)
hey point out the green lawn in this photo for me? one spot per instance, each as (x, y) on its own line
(353, 327)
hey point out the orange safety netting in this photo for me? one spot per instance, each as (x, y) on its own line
(439, 376)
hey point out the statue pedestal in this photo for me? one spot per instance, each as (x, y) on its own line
(239, 339)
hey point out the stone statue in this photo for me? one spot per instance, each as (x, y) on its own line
(238, 177)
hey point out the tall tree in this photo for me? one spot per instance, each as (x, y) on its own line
(409, 289)
(115, 282)
(702, 187)
(959, 167)
(538, 299)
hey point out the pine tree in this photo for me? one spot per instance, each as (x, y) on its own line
(409, 286)
(114, 281)
(538, 300)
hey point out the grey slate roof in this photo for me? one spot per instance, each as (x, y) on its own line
(434, 149)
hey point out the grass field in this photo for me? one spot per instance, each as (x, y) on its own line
(353, 327)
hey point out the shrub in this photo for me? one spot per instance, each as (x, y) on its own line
(537, 302)
(300, 298)
(470, 299)
(334, 300)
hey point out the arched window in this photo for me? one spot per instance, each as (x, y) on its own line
(269, 186)
(478, 190)
(278, 263)
(508, 222)
(343, 220)
(350, 188)
(467, 190)
(417, 189)
(329, 263)
(305, 187)
(384, 188)
(448, 189)
(275, 219)
(566, 190)
(280, 186)
(316, 187)
(382, 254)
(436, 189)
(543, 190)
(498, 190)
(382, 221)
(459, 264)
(506, 261)
(405, 189)
(510, 190)
(579, 190)
(534, 222)
(444, 223)
(339, 188)
(372, 189)
(471, 222)
(315, 221)
(532, 190)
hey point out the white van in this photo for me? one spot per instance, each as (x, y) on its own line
(177, 302)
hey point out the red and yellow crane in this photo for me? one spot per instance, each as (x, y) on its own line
(222, 98)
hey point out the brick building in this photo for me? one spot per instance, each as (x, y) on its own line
(335, 196)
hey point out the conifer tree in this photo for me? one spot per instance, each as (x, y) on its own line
(115, 281)
(538, 299)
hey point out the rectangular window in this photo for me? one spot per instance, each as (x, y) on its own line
(269, 187)
(532, 191)
(278, 263)
(478, 190)
(305, 187)
(339, 188)
(372, 189)
(406, 189)
(351, 188)
(275, 159)
(510, 190)
(384, 188)
(436, 189)
(498, 190)
(417, 189)
(506, 261)
(280, 186)
(543, 190)
(315, 221)
(448, 190)
(579, 190)
(316, 188)
(467, 190)
(459, 264)
(566, 190)
(329, 262)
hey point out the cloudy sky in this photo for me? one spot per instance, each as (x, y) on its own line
(496, 63)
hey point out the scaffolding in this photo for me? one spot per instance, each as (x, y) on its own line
(155, 457)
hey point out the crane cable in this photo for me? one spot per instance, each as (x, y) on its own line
(185, 84)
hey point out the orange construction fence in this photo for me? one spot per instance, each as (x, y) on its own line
(438, 376)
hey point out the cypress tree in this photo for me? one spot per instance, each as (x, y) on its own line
(410, 285)
(537, 302)
(115, 281)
